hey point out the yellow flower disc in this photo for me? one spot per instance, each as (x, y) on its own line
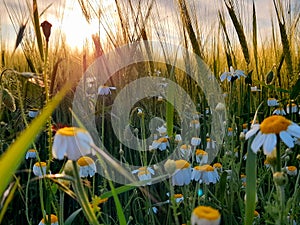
(40, 164)
(201, 152)
(206, 168)
(274, 124)
(85, 161)
(69, 131)
(53, 219)
(181, 164)
(206, 212)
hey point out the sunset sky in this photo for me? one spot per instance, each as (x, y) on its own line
(66, 17)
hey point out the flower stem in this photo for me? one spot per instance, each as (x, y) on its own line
(250, 184)
(278, 155)
(82, 197)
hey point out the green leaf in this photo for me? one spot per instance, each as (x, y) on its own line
(295, 90)
(72, 217)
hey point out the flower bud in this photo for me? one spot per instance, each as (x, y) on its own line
(170, 166)
(280, 178)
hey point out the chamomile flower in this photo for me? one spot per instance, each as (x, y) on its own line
(72, 142)
(232, 74)
(178, 138)
(161, 144)
(279, 111)
(162, 131)
(105, 90)
(39, 168)
(195, 124)
(186, 151)
(205, 215)
(205, 174)
(195, 141)
(87, 166)
(269, 129)
(218, 167)
(53, 220)
(210, 144)
(272, 102)
(144, 173)
(201, 156)
(182, 174)
(31, 154)
(291, 107)
(291, 170)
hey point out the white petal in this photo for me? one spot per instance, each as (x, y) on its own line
(287, 138)
(223, 76)
(258, 142)
(269, 143)
(252, 131)
(294, 130)
(59, 147)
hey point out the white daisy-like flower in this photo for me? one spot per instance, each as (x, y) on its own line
(272, 102)
(195, 124)
(182, 174)
(232, 74)
(32, 113)
(31, 154)
(293, 108)
(210, 144)
(279, 111)
(39, 168)
(144, 173)
(291, 170)
(269, 129)
(178, 138)
(205, 174)
(72, 142)
(195, 141)
(186, 151)
(161, 144)
(105, 90)
(205, 215)
(218, 167)
(53, 220)
(162, 130)
(177, 197)
(254, 89)
(201, 156)
(87, 166)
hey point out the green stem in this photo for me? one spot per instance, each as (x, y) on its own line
(102, 121)
(61, 207)
(26, 194)
(174, 206)
(82, 197)
(278, 155)
(251, 184)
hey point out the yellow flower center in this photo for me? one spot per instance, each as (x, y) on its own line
(274, 124)
(292, 168)
(163, 140)
(85, 161)
(201, 152)
(70, 131)
(143, 170)
(217, 165)
(31, 150)
(185, 147)
(40, 164)
(53, 219)
(206, 168)
(178, 195)
(181, 164)
(206, 212)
